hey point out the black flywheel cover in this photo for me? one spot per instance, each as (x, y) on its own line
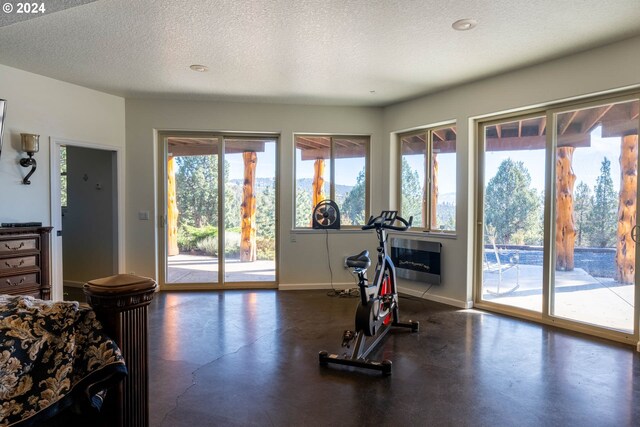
(364, 319)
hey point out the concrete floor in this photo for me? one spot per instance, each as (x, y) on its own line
(238, 358)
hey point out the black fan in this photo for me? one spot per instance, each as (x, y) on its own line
(326, 215)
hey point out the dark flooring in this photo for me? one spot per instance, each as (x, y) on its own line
(239, 358)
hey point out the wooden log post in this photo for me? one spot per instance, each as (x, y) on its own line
(626, 247)
(565, 224)
(172, 209)
(248, 249)
(317, 186)
(434, 191)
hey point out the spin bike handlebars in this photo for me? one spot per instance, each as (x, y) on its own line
(386, 220)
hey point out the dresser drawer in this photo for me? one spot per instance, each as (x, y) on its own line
(15, 245)
(12, 283)
(18, 262)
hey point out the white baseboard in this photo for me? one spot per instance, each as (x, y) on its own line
(348, 285)
(310, 286)
(435, 298)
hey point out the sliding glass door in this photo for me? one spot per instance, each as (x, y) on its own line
(596, 209)
(220, 203)
(192, 209)
(512, 233)
(250, 210)
(558, 214)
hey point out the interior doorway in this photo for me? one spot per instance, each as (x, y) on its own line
(85, 215)
(220, 210)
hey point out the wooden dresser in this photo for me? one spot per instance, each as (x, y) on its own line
(24, 261)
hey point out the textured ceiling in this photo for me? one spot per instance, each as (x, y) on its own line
(303, 51)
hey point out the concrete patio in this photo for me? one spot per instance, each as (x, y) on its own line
(186, 268)
(578, 296)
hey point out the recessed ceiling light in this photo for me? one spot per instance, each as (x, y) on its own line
(199, 68)
(464, 24)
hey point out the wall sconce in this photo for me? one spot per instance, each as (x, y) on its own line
(30, 144)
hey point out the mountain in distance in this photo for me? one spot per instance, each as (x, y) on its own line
(341, 190)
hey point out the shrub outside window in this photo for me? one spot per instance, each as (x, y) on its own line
(428, 178)
(336, 168)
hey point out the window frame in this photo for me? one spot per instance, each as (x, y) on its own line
(332, 137)
(428, 173)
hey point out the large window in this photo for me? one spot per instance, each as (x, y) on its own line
(336, 168)
(428, 178)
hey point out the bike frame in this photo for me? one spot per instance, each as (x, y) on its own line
(384, 265)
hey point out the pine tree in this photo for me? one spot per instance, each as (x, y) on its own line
(583, 201)
(197, 190)
(412, 192)
(603, 216)
(512, 206)
(353, 206)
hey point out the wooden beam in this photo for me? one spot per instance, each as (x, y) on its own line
(341, 153)
(594, 117)
(317, 186)
(209, 146)
(543, 126)
(172, 209)
(315, 154)
(536, 142)
(248, 248)
(565, 224)
(618, 128)
(434, 191)
(621, 120)
(566, 121)
(516, 143)
(627, 207)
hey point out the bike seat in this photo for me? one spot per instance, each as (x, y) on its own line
(360, 261)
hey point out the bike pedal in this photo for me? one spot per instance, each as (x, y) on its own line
(347, 337)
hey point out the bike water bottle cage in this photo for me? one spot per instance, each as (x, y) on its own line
(360, 261)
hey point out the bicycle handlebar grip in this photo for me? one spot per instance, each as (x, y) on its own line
(405, 224)
(371, 223)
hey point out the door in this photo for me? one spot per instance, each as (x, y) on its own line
(513, 208)
(596, 208)
(220, 203)
(557, 216)
(192, 207)
(250, 210)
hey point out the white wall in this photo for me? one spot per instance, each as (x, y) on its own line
(51, 108)
(90, 238)
(302, 262)
(613, 67)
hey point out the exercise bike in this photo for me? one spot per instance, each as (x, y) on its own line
(377, 310)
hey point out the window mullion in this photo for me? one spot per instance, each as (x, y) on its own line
(428, 180)
(332, 172)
